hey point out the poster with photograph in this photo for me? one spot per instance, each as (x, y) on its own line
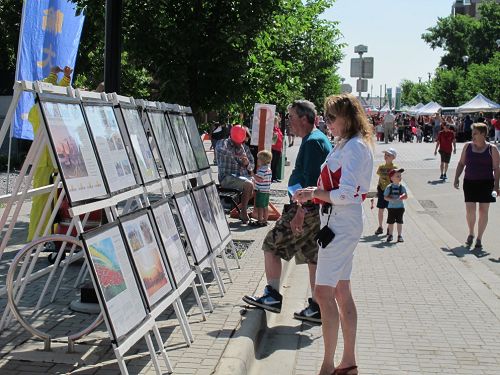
(147, 257)
(218, 210)
(140, 144)
(182, 138)
(207, 217)
(171, 240)
(270, 111)
(196, 142)
(74, 151)
(165, 143)
(194, 231)
(115, 278)
(110, 147)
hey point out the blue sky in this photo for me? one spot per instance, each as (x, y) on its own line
(391, 29)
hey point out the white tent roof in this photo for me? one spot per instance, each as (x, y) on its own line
(413, 110)
(479, 103)
(429, 109)
(385, 108)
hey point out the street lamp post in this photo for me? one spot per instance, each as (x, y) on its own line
(429, 75)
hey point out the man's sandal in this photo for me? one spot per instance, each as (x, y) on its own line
(353, 370)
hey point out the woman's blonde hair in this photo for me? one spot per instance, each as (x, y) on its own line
(350, 110)
(481, 127)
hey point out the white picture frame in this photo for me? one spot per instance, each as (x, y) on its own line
(196, 142)
(140, 145)
(73, 150)
(114, 280)
(110, 147)
(171, 240)
(207, 217)
(145, 253)
(165, 142)
(218, 210)
(192, 226)
(182, 138)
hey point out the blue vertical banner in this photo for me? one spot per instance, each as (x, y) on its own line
(50, 35)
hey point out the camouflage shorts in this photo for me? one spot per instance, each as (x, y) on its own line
(282, 242)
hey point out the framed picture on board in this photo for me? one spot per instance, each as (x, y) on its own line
(116, 286)
(172, 244)
(182, 138)
(73, 148)
(192, 226)
(218, 210)
(165, 143)
(146, 255)
(140, 145)
(196, 142)
(110, 147)
(207, 217)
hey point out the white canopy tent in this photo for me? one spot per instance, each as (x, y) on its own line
(479, 103)
(385, 108)
(429, 109)
(413, 110)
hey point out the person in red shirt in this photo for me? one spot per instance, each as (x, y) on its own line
(496, 124)
(446, 143)
(276, 149)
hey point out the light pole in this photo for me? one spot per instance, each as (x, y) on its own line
(419, 79)
(429, 75)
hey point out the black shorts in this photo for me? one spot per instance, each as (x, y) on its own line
(479, 191)
(395, 215)
(445, 157)
(381, 202)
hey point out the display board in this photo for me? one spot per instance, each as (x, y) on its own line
(145, 251)
(207, 217)
(73, 149)
(165, 143)
(196, 142)
(182, 138)
(110, 147)
(192, 225)
(218, 210)
(269, 110)
(140, 145)
(114, 279)
(171, 241)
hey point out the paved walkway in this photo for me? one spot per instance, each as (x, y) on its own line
(421, 310)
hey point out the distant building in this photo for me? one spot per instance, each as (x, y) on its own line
(467, 7)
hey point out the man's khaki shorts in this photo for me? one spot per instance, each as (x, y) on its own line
(282, 242)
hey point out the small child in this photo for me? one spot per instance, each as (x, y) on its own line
(263, 187)
(395, 194)
(384, 180)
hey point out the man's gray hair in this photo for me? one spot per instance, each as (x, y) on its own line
(304, 108)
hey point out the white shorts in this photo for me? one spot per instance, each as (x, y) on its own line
(335, 260)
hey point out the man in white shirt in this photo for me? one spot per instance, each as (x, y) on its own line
(388, 126)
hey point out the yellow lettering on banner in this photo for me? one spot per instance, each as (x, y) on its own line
(52, 20)
(48, 60)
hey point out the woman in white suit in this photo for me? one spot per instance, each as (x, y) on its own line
(342, 186)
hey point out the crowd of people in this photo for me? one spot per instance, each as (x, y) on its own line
(323, 223)
(403, 127)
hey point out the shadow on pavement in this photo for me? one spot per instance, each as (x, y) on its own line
(384, 244)
(285, 338)
(436, 182)
(461, 251)
(370, 238)
(494, 260)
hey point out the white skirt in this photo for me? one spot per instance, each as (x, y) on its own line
(335, 260)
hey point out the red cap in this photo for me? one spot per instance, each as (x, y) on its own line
(238, 134)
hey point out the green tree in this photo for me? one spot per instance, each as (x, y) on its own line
(413, 93)
(295, 57)
(484, 79)
(10, 23)
(462, 35)
(448, 87)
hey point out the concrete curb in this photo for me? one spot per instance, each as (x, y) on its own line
(239, 355)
